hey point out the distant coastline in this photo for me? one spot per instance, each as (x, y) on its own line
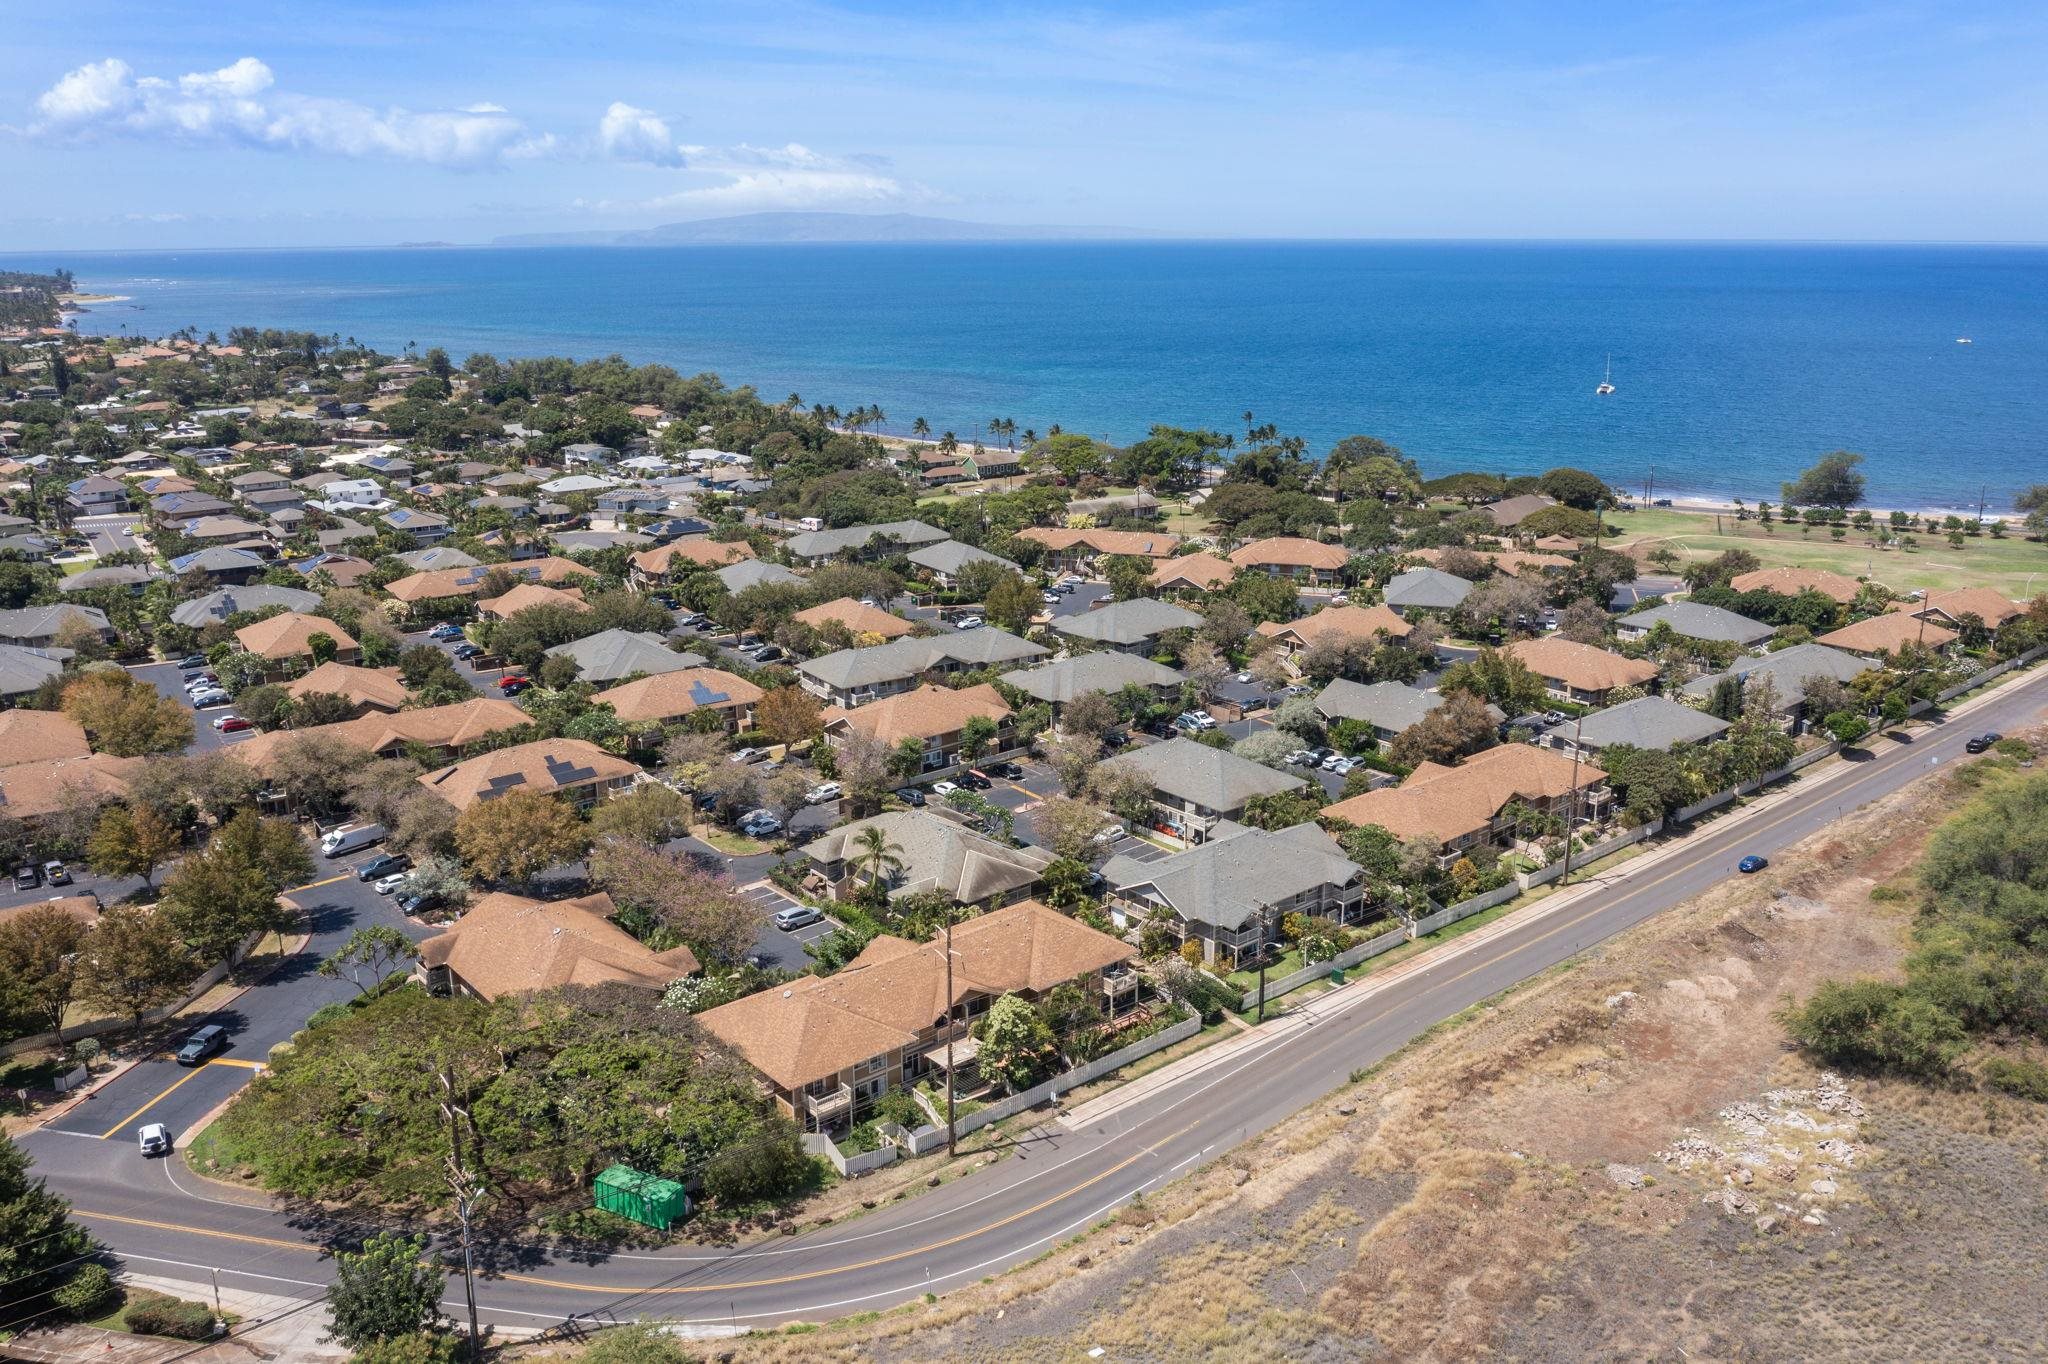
(1736, 366)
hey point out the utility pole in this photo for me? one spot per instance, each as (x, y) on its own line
(952, 1149)
(1571, 807)
(469, 1192)
(1264, 910)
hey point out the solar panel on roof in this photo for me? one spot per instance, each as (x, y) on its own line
(568, 773)
(704, 696)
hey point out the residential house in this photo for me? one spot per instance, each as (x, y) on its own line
(1510, 512)
(1786, 672)
(1492, 798)
(31, 791)
(664, 698)
(944, 561)
(1695, 621)
(574, 769)
(935, 718)
(1580, 672)
(748, 573)
(852, 677)
(1195, 786)
(222, 564)
(424, 526)
(1288, 556)
(1785, 581)
(97, 495)
(615, 655)
(1882, 635)
(435, 558)
(366, 689)
(233, 531)
(1389, 707)
(828, 1047)
(40, 736)
(1139, 504)
(345, 569)
(285, 643)
(525, 596)
(678, 559)
(936, 851)
(1107, 671)
(258, 481)
(1193, 573)
(1990, 607)
(133, 577)
(1132, 626)
(218, 605)
(862, 542)
(436, 732)
(510, 945)
(175, 509)
(860, 620)
(1363, 624)
(1233, 893)
(1648, 722)
(1082, 551)
(38, 627)
(1512, 562)
(587, 452)
(23, 671)
(274, 502)
(1425, 591)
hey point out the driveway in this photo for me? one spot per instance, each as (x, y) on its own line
(1628, 595)
(775, 948)
(484, 684)
(169, 680)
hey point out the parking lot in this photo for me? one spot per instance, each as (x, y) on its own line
(1137, 849)
(775, 948)
(169, 680)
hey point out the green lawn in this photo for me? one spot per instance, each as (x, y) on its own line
(2009, 565)
(1286, 964)
(730, 843)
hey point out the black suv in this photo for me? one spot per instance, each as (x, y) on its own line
(202, 1044)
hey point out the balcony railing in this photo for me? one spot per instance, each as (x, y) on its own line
(830, 1105)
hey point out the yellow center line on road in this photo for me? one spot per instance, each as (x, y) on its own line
(189, 1230)
(182, 1080)
(230, 1061)
(315, 885)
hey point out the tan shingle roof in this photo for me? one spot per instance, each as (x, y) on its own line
(379, 687)
(1787, 581)
(815, 1027)
(30, 790)
(1581, 667)
(466, 580)
(528, 595)
(508, 944)
(287, 636)
(1353, 622)
(1203, 571)
(1445, 803)
(452, 726)
(670, 696)
(544, 765)
(862, 620)
(1142, 543)
(32, 736)
(922, 714)
(1985, 603)
(710, 553)
(1887, 633)
(1290, 551)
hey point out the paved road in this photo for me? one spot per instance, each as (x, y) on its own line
(1058, 1181)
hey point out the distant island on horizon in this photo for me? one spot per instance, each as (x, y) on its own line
(766, 228)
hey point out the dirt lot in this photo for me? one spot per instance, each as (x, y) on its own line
(1619, 1161)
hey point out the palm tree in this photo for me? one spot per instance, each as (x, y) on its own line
(793, 401)
(1010, 433)
(920, 428)
(995, 427)
(875, 853)
(949, 442)
(1030, 437)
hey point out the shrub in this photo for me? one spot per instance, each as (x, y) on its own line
(898, 1107)
(173, 1317)
(640, 1343)
(2023, 1079)
(327, 1013)
(1876, 1025)
(769, 1162)
(427, 1347)
(87, 1291)
(861, 1140)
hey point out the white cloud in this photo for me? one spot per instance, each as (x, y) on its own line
(629, 134)
(755, 190)
(238, 105)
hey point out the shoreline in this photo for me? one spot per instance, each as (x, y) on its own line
(1726, 507)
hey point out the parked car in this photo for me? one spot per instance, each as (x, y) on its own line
(910, 795)
(214, 697)
(1555, 717)
(822, 792)
(388, 885)
(27, 878)
(418, 904)
(798, 916)
(745, 755)
(1049, 598)
(943, 788)
(1109, 833)
(760, 824)
(201, 678)
(1752, 863)
(1323, 755)
(55, 873)
(466, 651)
(1116, 738)
(155, 1140)
(202, 1044)
(511, 681)
(688, 619)
(233, 724)
(1008, 771)
(445, 630)
(973, 781)
(969, 623)
(195, 661)
(1976, 745)
(1299, 689)
(1342, 766)
(1301, 757)
(1329, 764)
(350, 838)
(1244, 677)
(766, 653)
(383, 864)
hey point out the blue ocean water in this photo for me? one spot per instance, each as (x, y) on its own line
(1735, 364)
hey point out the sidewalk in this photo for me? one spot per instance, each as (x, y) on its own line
(1365, 987)
(271, 1328)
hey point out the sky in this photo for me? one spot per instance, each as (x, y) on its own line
(129, 126)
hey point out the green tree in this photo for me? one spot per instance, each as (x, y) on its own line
(368, 956)
(880, 858)
(1498, 677)
(126, 717)
(1832, 481)
(38, 1239)
(386, 1290)
(1017, 1048)
(133, 960)
(274, 847)
(1576, 488)
(39, 946)
(975, 736)
(216, 900)
(1011, 603)
(517, 837)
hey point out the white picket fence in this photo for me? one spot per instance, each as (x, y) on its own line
(850, 1167)
(1294, 980)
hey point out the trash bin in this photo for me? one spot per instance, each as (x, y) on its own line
(639, 1197)
(1336, 975)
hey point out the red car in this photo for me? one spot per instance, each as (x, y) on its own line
(512, 680)
(233, 723)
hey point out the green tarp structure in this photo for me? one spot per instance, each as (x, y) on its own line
(647, 1199)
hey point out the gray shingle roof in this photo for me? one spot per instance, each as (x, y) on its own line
(23, 670)
(43, 622)
(1695, 620)
(611, 655)
(1390, 706)
(1427, 589)
(849, 669)
(1128, 622)
(938, 854)
(950, 556)
(1210, 777)
(218, 606)
(820, 543)
(1646, 722)
(1106, 672)
(1227, 880)
(752, 573)
(440, 556)
(1788, 670)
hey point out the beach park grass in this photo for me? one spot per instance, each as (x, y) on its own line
(2009, 565)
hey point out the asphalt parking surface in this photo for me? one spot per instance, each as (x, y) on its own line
(775, 948)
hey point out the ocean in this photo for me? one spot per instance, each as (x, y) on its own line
(1734, 365)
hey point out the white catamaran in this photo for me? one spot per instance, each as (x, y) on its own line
(1606, 384)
